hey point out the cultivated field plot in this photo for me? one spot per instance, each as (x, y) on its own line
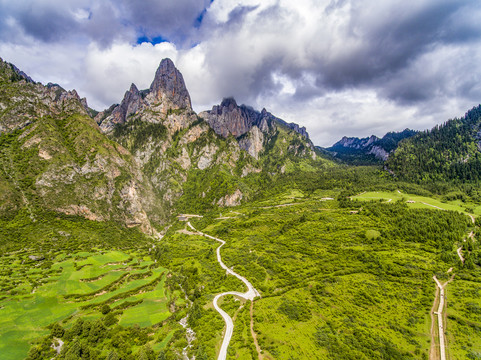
(35, 293)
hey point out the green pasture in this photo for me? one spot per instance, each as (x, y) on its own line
(419, 202)
(464, 318)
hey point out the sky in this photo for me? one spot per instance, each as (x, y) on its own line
(337, 67)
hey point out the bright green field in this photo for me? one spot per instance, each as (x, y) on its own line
(419, 202)
(40, 296)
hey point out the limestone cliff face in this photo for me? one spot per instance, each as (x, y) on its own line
(167, 139)
(379, 153)
(253, 143)
(130, 105)
(252, 129)
(169, 87)
(230, 119)
(23, 101)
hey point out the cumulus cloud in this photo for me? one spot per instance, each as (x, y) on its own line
(338, 67)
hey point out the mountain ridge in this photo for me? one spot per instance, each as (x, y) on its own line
(370, 149)
(172, 143)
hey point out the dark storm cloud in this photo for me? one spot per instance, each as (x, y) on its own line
(104, 24)
(385, 47)
(390, 44)
(331, 65)
(54, 22)
(173, 20)
(45, 21)
(396, 40)
(106, 21)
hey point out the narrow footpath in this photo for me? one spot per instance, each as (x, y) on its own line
(250, 294)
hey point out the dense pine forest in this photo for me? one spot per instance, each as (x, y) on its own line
(448, 152)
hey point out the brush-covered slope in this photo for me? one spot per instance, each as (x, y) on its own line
(450, 151)
(54, 157)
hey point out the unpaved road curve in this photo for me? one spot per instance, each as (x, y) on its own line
(461, 257)
(250, 294)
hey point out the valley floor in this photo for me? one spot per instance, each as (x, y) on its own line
(326, 277)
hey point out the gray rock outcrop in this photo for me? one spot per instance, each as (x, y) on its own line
(228, 118)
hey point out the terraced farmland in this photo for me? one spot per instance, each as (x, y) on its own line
(77, 285)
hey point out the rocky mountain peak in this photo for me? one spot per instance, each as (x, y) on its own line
(356, 149)
(130, 105)
(229, 103)
(169, 83)
(228, 118)
(133, 89)
(355, 143)
(167, 92)
(22, 74)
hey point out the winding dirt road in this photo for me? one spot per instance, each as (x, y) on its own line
(439, 313)
(250, 294)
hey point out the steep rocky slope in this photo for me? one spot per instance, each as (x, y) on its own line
(54, 157)
(140, 161)
(251, 128)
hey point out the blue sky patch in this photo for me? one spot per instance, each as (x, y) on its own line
(153, 40)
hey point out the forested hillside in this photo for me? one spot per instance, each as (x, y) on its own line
(448, 152)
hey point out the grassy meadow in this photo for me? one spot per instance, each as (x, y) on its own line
(420, 202)
(342, 279)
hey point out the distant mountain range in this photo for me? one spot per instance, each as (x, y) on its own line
(369, 150)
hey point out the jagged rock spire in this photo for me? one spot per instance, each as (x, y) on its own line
(169, 83)
(130, 104)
